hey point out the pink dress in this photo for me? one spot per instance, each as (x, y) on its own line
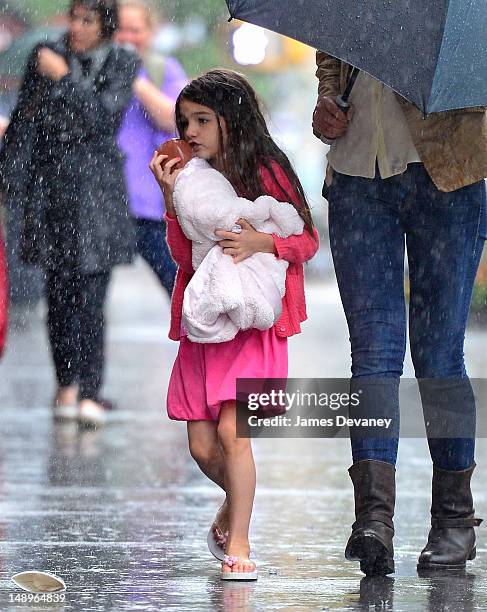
(205, 375)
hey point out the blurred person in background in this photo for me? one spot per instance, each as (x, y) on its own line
(149, 121)
(76, 222)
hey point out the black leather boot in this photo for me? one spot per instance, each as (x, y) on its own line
(375, 494)
(451, 540)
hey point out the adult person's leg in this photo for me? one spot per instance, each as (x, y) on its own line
(444, 250)
(152, 246)
(92, 291)
(63, 331)
(367, 243)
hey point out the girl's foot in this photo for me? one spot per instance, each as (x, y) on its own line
(238, 567)
(237, 558)
(217, 538)
(220, 524)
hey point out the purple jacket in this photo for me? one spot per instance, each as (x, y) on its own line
(139, 138)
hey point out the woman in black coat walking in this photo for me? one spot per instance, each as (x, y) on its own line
(76, 221)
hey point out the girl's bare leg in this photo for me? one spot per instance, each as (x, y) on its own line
(239, 477)
(205, 449)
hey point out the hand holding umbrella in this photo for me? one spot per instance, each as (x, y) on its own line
(329, 120)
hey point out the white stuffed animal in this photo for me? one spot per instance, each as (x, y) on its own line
(223, 297)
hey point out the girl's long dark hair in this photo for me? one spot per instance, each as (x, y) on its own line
(249, 145)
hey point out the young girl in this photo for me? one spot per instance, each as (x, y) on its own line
(219, 116)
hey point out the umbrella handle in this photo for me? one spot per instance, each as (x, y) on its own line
(342, 101)
(342, 104)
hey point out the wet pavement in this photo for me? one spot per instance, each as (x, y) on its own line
(121, 514)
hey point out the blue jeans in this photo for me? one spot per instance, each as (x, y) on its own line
(371, 221)
(152, 246)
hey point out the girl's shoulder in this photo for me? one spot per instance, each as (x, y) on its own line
(276, 182)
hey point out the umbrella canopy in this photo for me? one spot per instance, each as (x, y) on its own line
(431, 52)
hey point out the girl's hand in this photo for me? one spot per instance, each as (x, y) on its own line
(165, 178)
(246, 243)
(51, 65)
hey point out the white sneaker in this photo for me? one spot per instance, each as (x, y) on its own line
(91, 414)
(65, 412)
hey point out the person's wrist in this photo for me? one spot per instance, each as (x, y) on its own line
(266, 243)
(139, 85)
(170, 205)
(326, 139)
(272, 245)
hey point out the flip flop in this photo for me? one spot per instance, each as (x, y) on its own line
(216, 542)
(231, 561)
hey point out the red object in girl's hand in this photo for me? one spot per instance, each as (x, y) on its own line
(176, 148)
(3, 295)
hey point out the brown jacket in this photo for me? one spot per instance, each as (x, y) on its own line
(452, 145)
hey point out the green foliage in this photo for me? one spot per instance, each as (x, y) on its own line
(198, 59)
(39, 10)
(212, 11)
(479, 297)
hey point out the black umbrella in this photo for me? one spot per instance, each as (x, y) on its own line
(431, 52)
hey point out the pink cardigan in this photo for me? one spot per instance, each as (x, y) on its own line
(295, 249)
